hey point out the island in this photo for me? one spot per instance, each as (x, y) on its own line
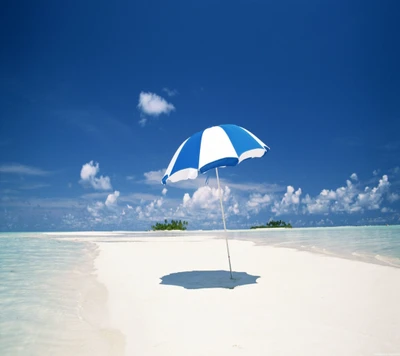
(273, 224)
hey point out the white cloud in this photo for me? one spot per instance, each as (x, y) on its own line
(154, 105)
(21, 169)
(376, 172)
(154, 176)
(89, 170)
(204, 204)
(112, 198)
(320, 204)
(201, 205)
(152, 210)
(345, 199)
(316, 206)
(95, 209)
(88, 175)
(354, 176)
(164, 191)
(257, 202)
(234, 209)
(371, 199)
(129, 206)
(348, 199)
(289, 202)
(205, 198)
(170, 92)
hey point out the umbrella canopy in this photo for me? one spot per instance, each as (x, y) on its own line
(217, 146)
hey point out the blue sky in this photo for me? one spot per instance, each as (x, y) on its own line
(95, 97)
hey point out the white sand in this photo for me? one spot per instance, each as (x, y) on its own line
(302, 304)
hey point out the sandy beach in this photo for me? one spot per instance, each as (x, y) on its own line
(173, 296)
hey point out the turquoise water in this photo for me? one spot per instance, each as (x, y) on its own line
(374, 244)
(50, 301)
(52, 304)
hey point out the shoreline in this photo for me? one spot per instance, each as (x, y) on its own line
(297, 239)
(322, 305)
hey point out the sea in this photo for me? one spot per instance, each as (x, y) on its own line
(52, 304)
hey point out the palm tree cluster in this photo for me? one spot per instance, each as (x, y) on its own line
(279, 223)
(272, 223)
(173, 225)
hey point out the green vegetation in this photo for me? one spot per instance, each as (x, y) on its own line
(173, 225)
(272, 224)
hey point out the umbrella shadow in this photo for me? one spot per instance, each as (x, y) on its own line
(208, 279)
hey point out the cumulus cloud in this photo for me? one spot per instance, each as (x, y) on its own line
(354, 176)
(154, 105)
(95, 209)
(129, 206)
(88, 176)
(164, 191)
(371, 199)
(257, 202)
(150, 210)
(234, 209)
(320, 204)
(348, 199)
(289, 202)
(205, 197)
(112, 198)
(316, 206)
(340, 200)
(203, 205)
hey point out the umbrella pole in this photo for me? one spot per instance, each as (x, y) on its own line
(223, 219)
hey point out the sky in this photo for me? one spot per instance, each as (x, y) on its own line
(96, 97)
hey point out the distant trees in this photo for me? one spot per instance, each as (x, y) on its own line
(173, 225)
(272, 224)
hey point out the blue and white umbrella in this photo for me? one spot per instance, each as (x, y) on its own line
(217, 146)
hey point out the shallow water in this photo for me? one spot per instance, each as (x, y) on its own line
(374, 244)
(50, 300)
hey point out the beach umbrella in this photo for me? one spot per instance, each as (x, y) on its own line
(214, 147)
